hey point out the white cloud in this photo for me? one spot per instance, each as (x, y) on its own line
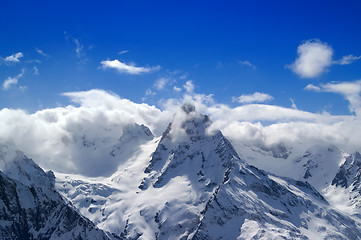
(23, 88)
(160, 83)
(247, 63)
(184, 76)
(41, 52)
(124, 68)
(78, 48)
(14, 58)
(255, 97)
(177, 89)
(294, 106)
(189, 86)
(12, 81)
(314, 58)
(54, 137)
(9, 82)
(312, 87)
(36, 70)
(345, 60)
(122, 52)
(149, 92)
(350, 90)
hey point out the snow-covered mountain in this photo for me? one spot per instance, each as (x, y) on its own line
(345, 189)
(30, 206)
(191, 184)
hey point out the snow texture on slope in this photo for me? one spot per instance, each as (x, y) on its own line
(31, 208)
(346, 186)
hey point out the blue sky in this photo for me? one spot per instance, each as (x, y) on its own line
(147, 51)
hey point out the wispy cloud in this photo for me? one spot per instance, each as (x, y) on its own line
(294, 106)
(124, 68)
(149, 92)
(161, 83)
(36, 70)
(41, 52)
(252, 98)
(78, 48)
(122, 52)
(12, 81)
(350, 90)
(184, 76)
(345, 60)
(315, 57)
(247, 63)
(14, 58)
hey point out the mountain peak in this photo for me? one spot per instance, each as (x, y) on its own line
(188, 108)
(18, 166)
(349, 172)
(187, 124)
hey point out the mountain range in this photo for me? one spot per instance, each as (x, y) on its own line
(189, 183)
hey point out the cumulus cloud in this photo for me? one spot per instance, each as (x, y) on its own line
(314, 58)
(77, 138)
(12, 81)
(255, 97)
(124, 68)
(247, 63)
(350, 90)
(14, 58)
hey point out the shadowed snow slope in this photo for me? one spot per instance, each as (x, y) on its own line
(30, 206)
(345, 191)
(191, 184)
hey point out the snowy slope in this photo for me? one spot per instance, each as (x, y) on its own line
(191, 184)
(30, 206)
(345, 190)
(317, 165)
(253, 204)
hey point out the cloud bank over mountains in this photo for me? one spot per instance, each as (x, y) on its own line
(74, 137)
